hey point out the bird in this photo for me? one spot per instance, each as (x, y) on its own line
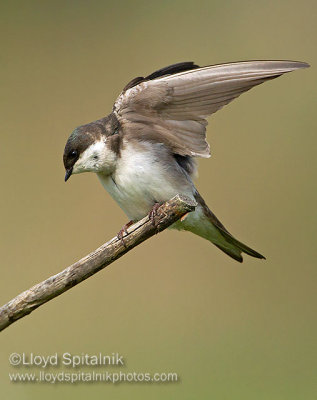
(144, 152)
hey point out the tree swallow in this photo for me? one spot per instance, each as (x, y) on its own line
(144, 151)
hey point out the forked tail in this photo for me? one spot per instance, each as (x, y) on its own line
(204, 223)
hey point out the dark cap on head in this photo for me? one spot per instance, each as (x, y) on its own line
(82, 137)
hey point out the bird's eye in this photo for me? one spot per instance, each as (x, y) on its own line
(73, 154)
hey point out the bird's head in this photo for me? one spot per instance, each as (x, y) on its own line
(92, 148)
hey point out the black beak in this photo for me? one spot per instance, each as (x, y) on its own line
(68, 173)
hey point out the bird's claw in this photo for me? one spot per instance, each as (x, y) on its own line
(123, 231)
(153, 213)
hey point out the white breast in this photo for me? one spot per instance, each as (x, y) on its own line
(144, 175)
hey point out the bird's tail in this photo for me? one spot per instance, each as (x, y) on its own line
(234, 248)
(204, 223)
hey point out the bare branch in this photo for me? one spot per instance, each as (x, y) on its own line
(106, 254)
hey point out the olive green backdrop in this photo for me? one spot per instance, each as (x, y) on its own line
(175, 303)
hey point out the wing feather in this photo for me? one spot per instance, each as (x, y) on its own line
(172, 109)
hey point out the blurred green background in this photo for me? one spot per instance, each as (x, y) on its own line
(176, 303)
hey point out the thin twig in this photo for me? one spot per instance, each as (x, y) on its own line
(26, 302)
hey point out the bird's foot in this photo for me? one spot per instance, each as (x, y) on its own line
(154, 212)
(123, 231)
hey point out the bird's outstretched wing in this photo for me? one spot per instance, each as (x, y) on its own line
(171, 108)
